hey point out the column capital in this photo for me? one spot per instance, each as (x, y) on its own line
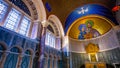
(44, 23)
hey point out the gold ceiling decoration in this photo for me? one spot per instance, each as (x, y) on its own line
(101, 24)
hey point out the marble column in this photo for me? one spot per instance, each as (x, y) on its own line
(2, 62)
(18, 65)
(31, 61)
(42, 46)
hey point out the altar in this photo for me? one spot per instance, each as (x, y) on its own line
(95, 65)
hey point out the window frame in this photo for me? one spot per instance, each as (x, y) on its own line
(27, 27)
(16, 22)
(5, 10)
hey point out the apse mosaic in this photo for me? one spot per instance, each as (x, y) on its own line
(89, 21)
(87, 31)
(89, 27)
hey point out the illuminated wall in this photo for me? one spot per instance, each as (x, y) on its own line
(108, 40)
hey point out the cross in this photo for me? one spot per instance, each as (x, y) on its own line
(82, 10)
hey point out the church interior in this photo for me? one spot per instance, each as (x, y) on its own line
(59, 33)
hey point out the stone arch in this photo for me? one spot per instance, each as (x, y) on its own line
(31, 51)
(40, 9)
(20, 48)
(13, 58)
(27, 59)
(32, 9)
(50, 56)
(54, 29)
(4, 45)
(55, 56)
(46, 55)
(57, 24)
(36, 9)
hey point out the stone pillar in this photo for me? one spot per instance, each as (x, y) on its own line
(42, 46)
(31, 62)
(18, 65)
(3, 60)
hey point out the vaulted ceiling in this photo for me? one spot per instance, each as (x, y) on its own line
(62, 8)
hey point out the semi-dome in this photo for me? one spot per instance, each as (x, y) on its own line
(101, 16)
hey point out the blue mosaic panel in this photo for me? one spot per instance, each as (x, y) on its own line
(18, 41)
(5, 36)
(30, 44)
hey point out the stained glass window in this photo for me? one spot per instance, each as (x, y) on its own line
(3, 9)
(50, 39)
(12, 19)
(24, 26)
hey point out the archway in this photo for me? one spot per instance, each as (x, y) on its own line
(26, 59)
(12, 58)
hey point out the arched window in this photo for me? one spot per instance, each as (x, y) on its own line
(16, 19)
(24, 26)
(50, 39)
(12, 58)
(12, 19)
(26, 59)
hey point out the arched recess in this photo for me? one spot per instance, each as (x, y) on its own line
(37, 9)
(12, 57)
(4, 45)
(40, 9)
(57, 23)
(27, 59)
